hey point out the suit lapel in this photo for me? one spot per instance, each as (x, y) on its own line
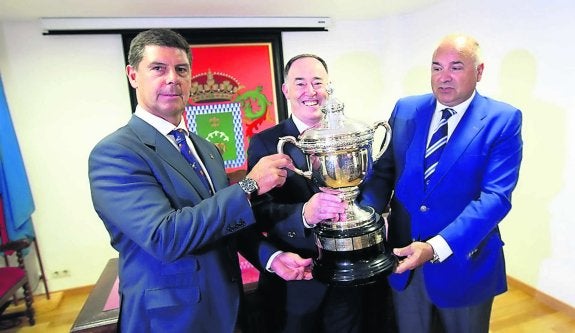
(469, 126)
(297, 156)
(166, 151)
(416, 155)
(294, 152)
(212, 161)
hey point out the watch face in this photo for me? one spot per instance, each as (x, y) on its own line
(248, 185)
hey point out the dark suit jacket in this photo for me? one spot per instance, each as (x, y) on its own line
(178, 266)
(469, 194)
(280, 214)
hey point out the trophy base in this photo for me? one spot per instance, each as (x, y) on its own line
(359, 257)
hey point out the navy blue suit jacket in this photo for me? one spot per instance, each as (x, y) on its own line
(469, 194)
(178, 266)
(280, 215)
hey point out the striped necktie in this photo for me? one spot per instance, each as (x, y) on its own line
(436, 145)
(180, 136)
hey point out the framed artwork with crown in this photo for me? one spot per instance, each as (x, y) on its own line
(236, 88)
(233, 96)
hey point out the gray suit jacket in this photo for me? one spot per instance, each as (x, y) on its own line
(178, 266)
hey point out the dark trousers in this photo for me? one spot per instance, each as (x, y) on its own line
(378, 314)
(340, 311)
(416, 313)
(310, 307)
(366, 309)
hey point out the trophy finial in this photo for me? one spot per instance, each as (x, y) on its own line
(332, 104)
(329, 89)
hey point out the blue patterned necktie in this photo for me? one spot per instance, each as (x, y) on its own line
(180, 136)
(436, 145)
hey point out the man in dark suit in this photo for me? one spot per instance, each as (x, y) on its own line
(178, 266)
(444, 224)
(292, 211)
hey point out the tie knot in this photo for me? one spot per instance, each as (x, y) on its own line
(179, 134)
(446, 113)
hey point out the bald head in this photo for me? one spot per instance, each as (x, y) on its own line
(456, 68)
(466, 45)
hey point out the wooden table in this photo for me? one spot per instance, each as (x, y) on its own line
(92, 318)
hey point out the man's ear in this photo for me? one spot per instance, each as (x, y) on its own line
(285, 90)
(132, 74)
(479, 72)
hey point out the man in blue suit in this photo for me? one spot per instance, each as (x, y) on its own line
(445, 228)
(178, 266)
(289, 214)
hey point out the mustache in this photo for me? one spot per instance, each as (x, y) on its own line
(171, 92)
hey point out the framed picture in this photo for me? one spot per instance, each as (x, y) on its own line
(236, 87)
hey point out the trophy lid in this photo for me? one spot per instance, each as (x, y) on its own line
(335, 131)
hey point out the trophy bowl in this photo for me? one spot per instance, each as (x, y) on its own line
(338, 154)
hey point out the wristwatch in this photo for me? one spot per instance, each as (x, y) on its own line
(248, 185)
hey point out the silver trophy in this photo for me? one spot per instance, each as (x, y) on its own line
(339, 155)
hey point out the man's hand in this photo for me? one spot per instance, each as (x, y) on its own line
(416, 254)
(290, 266)
(270, 171)
(324, 205)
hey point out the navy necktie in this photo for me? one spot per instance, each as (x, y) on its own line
(436, 145)
(180, 136)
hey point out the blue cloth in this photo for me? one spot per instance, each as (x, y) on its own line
(14, 187)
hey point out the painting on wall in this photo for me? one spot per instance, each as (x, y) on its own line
(233, 96)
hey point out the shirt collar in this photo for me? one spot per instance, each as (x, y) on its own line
(301, 126)
(162, 125)
(459, 109)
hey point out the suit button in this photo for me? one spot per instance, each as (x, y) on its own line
(423, 209)
(472, 253)
(291, 234)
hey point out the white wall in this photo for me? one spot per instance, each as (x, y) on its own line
(66, 92)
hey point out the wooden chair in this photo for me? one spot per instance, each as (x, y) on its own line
(11, 280)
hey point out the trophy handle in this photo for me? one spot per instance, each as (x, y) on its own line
(386, 138)
(292, 140)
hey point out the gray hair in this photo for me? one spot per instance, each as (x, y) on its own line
(299, 56)
(157, 37)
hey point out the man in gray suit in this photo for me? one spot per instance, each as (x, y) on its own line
(174, 232)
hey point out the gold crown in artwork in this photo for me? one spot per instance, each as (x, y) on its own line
(213, 87)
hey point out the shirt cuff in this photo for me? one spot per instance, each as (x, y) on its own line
(440, 247)
(305, 224)
(271, 259)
